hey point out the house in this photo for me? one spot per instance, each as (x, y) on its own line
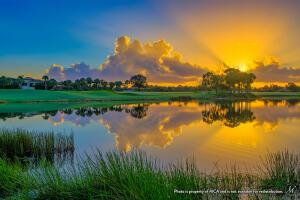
(29, 83)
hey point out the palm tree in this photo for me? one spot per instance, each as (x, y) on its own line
(89, 81)
(97, 82)
(82, 82)
(77, 84)
(111, 85)
(20, 80)
(45, 78)
(103, 83)
(249, 79)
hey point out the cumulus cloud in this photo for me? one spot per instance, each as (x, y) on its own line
(75, 71)
(273, 71)
(159, 128)
(56, 71)
(160, 63)
(156, 60)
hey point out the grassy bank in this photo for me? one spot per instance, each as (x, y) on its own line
(32, 96)
(135, 175)
(21, 145)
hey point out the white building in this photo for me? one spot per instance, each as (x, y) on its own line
(29, 83)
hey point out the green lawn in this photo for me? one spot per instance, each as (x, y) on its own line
(277, 94)
(32, 96)
(41, 95)
(26, 96)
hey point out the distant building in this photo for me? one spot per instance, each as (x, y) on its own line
(29, 83)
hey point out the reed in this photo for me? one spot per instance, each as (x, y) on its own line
(280, 170)
(136, 175)
(23, 145)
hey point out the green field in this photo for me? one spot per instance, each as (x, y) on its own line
(26, 96)
(33, 96)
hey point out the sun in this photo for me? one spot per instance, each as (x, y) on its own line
(243, 67)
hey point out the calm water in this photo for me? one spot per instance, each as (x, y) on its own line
(220, 133)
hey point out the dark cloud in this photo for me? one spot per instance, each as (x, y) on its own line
(272, 71)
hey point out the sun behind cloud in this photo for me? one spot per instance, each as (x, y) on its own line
(162, 65)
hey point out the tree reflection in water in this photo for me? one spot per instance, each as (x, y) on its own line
(139, 111)
(232, 114)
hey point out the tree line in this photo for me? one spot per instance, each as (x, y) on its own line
(232, 80)
(137, 81)
(10, 83)
(291, 87)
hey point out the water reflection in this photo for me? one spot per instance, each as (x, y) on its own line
(232, 114)
(144, 125)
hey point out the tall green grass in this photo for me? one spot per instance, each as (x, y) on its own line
(20, 145)
(280, 170)
(135, 175)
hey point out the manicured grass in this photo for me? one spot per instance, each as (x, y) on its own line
(41, 95)
(135, 175)
(27, 96)
(78, 97)
(26, 101)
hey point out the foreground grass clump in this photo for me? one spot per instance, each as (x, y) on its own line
(20, 144)
(280, 170)
(11, 178)
(135, 175)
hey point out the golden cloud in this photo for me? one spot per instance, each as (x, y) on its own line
(272, 71)
(156, 60)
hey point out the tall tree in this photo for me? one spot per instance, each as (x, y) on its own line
(45, 78)
(207, 80)
(83, 83)
(89, 81)
(118, 84)
(292, 87)
(20, 80)
(249, 79)
(138, 81)
(111, 85)
(212, 81)
(103, 84)
(232, 78)
(97, 82)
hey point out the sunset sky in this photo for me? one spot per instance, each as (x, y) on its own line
(171, 42)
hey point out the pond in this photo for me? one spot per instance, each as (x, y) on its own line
(214, 133)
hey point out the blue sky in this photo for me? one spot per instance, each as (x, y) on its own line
(255, 36)
(35, 34)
